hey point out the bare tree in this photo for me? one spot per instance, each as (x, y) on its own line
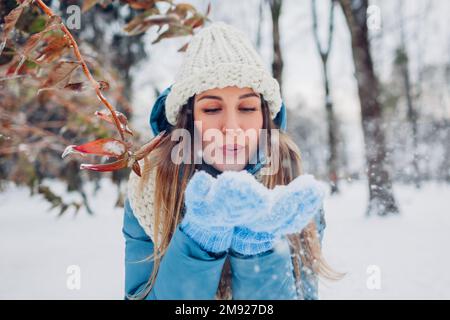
(402, 62)
(381, 197)
(324, 53)
(277, 64)
(260, 23)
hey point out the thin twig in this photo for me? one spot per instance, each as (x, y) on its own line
(86, 71)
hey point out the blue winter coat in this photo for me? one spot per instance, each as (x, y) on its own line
(187, 271)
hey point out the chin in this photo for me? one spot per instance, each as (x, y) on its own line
(229, 167)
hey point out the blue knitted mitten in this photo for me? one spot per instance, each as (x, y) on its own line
(239, 197)
(291, 208)
(248, 242)
(215, 206)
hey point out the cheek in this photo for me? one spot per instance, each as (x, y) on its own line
(205, 122)
(202, 126)
(255, 124)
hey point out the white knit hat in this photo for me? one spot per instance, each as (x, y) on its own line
(218, 56)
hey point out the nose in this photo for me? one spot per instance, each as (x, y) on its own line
(231, 124)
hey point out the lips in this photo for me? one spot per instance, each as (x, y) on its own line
(232, 149)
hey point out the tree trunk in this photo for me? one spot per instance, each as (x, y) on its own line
(332, 135)
(277, 64)
(381, 197)
(331, 119)
(260, 23)
(412, 114)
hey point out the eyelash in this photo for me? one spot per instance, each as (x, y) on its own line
(250, 109)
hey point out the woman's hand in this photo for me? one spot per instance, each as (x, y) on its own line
(236, 201)
(292, 207)
(215, 206)
(239, 198)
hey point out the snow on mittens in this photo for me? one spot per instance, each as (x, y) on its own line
(226, 201)
(236, 198)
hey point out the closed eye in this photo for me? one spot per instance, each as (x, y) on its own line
(243, 109)
(212, 110)
(251, 109)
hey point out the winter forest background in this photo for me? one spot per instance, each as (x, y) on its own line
(367, 87)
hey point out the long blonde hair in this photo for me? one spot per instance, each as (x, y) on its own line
(171, 180)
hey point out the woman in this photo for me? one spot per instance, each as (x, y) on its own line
(174, 249)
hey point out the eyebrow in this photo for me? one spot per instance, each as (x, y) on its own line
(251, 94)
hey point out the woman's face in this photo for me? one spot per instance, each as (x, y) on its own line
(229, 120)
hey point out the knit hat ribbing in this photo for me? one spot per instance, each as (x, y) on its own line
(219, 56)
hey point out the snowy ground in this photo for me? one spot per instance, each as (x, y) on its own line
(36, 249)
(409, 252)
(404, 256)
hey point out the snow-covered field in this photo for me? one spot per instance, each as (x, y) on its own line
(37, 248)
(398, 257)
(408, 253)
